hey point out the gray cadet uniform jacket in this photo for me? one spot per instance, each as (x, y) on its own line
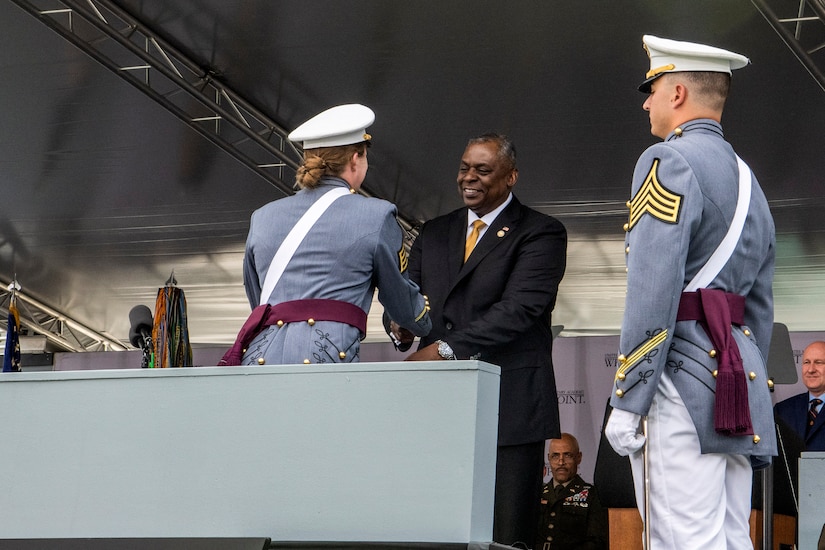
(353, 248)
(684, 195)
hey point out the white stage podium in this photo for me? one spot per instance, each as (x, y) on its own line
(811, 488)
(360, 452)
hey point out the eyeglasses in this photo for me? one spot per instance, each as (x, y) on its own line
(565, 457)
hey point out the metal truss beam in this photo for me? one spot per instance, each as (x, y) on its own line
(193, 93)
(801, 25)
(61, 331)
(118, 41)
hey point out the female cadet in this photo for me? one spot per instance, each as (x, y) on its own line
(314, 260)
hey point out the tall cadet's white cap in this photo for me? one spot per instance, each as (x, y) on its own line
(340, 125)
(673, 56)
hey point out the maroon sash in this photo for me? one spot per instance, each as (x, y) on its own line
(291, 312)
(716, 310)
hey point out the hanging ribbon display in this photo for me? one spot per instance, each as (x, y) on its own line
(170, 332)
(11, 357)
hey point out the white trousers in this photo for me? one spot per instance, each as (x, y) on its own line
(696, 500)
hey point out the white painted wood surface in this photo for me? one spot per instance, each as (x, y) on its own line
(362, 452)
(811, 492)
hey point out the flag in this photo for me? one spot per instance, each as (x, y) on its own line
(11, 358)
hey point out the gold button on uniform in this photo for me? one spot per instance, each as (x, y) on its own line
(622, 359)
(621, 376)
(712, 353)
(311, 321)
(261, 360)
(626, 227)
(756, 439)
(770, 384)
(715, 373)
(752, 375)
(619, 393)
(306, 361)
(747, 332)
(280, 323)
(342, 355)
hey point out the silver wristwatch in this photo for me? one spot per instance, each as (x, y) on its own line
(444, 350)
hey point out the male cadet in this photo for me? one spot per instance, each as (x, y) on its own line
(699, 311)
(572, 517)
(803, 412)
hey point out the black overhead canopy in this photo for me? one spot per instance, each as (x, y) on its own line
(106, 191)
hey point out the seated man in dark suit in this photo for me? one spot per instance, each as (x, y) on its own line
(803, 412)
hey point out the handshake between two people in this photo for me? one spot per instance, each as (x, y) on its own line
(403, 339)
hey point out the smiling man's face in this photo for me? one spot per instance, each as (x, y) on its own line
(813, 368)
(485, 178)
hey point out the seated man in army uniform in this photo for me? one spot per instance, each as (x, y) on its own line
(571, 515)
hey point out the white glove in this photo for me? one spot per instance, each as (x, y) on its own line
(622, 431)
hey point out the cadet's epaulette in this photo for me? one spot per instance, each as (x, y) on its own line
(645, 352)
(655, 199)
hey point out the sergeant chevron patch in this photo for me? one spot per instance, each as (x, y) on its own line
(655, 199)
(403, 259)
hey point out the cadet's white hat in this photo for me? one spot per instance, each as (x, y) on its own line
(340, 125)
(673, 56)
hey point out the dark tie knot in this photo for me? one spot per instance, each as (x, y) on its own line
(815, 403)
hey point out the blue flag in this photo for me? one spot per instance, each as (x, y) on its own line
(11, 359)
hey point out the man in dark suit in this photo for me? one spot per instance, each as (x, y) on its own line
(803, 412)
(496, 307)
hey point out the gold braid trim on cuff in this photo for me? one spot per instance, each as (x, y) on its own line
(641, 352)
(423, 313)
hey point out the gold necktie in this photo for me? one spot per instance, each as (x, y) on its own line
(471, 240)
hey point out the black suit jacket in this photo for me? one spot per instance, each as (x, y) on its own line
(794, 411)
(497, 306)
